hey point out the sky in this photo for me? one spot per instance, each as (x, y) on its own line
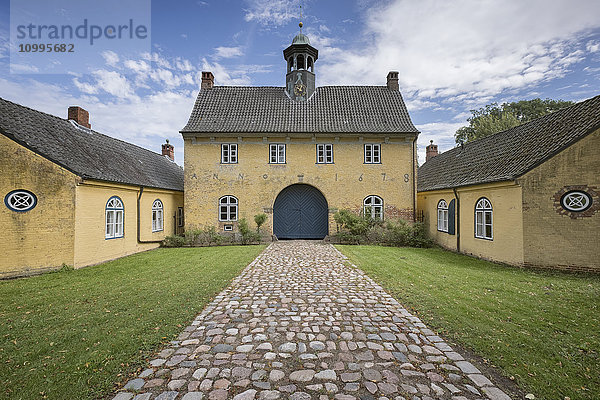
(452, 57)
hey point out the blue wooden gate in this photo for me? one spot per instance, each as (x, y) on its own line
(300, 212)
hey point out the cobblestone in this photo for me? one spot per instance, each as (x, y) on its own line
(302, 323)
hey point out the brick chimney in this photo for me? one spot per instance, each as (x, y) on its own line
(80, 116)
(168, 150)
(208, 80)
(392, 80)
(431, 151)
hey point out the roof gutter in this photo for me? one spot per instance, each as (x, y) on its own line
(457, 216)
(139, 198)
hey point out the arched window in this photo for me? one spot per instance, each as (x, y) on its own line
(442, 216)
(300, 61)
(310, 65)
(114, 218)
(373, 207)
(483, 219)
(290, 64)
(157, 216)
(228, 208)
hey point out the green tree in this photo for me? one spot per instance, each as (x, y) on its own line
(496, 118)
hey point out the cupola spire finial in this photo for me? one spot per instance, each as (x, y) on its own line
(300, 23)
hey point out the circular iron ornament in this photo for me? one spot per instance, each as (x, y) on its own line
(20, 200)
(576, 201)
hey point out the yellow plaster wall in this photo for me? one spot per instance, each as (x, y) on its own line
(256, 183)
(556, 240)
(427, 203)
(42, 238)
(507, 231)
(91, 247)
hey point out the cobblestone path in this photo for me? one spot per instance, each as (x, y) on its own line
(299, 323)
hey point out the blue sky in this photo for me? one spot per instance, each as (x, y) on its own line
(452, 57)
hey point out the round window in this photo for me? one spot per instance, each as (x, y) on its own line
(576, 201)
(20, 200)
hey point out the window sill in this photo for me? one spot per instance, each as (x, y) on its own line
(485, 238)
(116, 237)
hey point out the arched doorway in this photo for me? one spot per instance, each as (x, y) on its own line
(300, 212)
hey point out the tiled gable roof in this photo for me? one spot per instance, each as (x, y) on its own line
(331, 109)
(509, 154)
(87, 153)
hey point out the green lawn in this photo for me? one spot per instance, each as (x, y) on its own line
(70, 335)
(542, 328)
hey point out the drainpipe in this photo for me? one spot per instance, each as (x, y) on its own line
(138, 220)
(457, 215)
(414, 184)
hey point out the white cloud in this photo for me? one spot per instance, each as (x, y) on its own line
(23, 68)
(113, 83)
(465, 47)
(145, 122)
(110, 57)
(228, 52)
(224, 77)
(593, 46)
(85, 87)
(276, 12)
(442, 134)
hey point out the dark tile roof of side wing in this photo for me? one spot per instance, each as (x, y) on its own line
(331, 109)
(87, 153)
(509, 154)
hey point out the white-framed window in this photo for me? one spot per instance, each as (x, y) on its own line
(483, 219)
(229, 153)
(228, 208)
(157, 216)
(373, 207)
(20, 200)
(442, 216)
(114, 218)
(277, 153)
(372, 153)
(180, 216)
(324, 154)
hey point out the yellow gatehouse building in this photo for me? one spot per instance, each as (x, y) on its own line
(298, 152)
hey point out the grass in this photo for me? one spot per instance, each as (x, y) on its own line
(74, 334)
(541, 328)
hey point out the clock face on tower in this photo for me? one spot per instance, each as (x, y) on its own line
(299, 89)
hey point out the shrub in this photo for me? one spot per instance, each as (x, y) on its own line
(210, 236)
(259, 219)
(248, 236)
(356, 229)
(192, 236)
(173, 241)
(353, 228)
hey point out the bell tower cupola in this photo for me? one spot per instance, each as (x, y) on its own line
(300, 58)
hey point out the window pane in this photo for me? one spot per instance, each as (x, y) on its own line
(233, 153)
(488, 231)
(488, 217)
(224, 153)
(233, 213)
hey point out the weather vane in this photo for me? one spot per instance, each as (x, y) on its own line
(300, 24)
